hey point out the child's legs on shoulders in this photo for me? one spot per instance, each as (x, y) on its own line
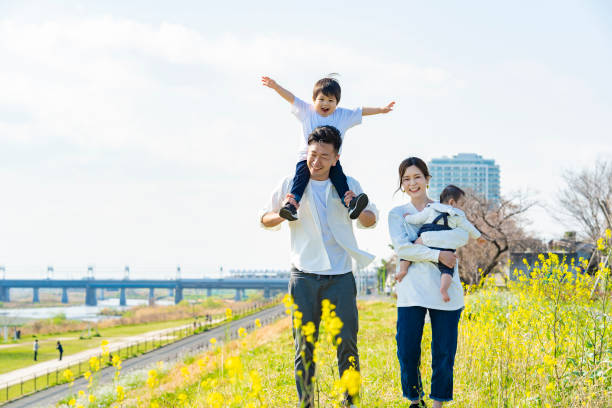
(300, 180)
(338, 179)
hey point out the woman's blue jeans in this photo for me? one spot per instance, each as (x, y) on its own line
(444, 328)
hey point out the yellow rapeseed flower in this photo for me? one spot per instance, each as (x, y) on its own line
(68, 375)
(600, 244)
(257, 322)
(255, 383)
(234, 367)
(215, 399)
(202, 362)
(308, 331)
(94, 364)
(297, 319)
(120, 393)
(351, 380)
(185, 372)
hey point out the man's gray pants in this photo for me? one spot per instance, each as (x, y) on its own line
(308, 291)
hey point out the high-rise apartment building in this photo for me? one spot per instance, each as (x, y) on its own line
(467, 171)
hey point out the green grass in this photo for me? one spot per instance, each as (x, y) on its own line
(274, 362)
(45, 380)
(479, 380)
(22, 355)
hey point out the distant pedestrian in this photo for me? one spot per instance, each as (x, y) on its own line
(36, 350)
(60, 349)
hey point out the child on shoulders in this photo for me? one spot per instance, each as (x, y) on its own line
(323, 112)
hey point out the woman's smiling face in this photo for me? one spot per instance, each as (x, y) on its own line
(414, 182)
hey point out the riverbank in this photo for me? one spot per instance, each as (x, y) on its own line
(105, 316)
(79, 336)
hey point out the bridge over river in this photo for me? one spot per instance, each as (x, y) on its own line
(176, 286)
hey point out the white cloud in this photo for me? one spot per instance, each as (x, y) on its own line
(175, 142)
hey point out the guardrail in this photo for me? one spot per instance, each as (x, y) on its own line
(33, 383)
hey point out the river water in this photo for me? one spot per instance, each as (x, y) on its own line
(78, 312)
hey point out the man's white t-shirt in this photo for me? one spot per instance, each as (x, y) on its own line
(339, 259)
(342, 119)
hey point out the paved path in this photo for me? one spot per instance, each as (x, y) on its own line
(50, 366)
(170, 352)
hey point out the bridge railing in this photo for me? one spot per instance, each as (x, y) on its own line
(30, 384)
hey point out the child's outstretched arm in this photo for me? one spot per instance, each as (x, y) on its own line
(375, 111)
(285, 94)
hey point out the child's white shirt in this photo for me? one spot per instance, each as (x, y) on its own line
(342, 119)
(456, 218)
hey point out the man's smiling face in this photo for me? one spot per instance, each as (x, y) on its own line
(321, 157)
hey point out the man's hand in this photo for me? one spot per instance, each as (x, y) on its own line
(387, 108)
(448, 258)
(419, 241)
(348, 196)
(290, 198)
(269, 82)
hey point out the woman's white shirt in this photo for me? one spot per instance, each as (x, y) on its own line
(421, 285)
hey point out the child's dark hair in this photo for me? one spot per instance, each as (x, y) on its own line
(451, 191)
(326, 134)
(327, 86)
(411, 161)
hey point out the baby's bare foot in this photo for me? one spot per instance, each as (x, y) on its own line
(445, 296)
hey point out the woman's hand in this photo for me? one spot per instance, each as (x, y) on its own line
(448, 258)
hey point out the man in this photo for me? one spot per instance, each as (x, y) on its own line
(36, 350)
(322, 245)
(60, 349)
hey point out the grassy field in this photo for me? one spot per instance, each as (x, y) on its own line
(19, 355)
(54, 377)
(545, 341)
(84, 367)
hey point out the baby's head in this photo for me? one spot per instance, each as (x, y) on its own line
(453, 196)
(326, 96)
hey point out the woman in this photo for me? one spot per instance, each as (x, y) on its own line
(419, 291)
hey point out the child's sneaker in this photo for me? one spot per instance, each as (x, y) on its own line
(288, 212)
(357, 205)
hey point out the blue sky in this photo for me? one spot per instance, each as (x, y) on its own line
(139, 133)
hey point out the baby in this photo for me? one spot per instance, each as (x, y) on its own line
(324, 111)
(445, 215)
